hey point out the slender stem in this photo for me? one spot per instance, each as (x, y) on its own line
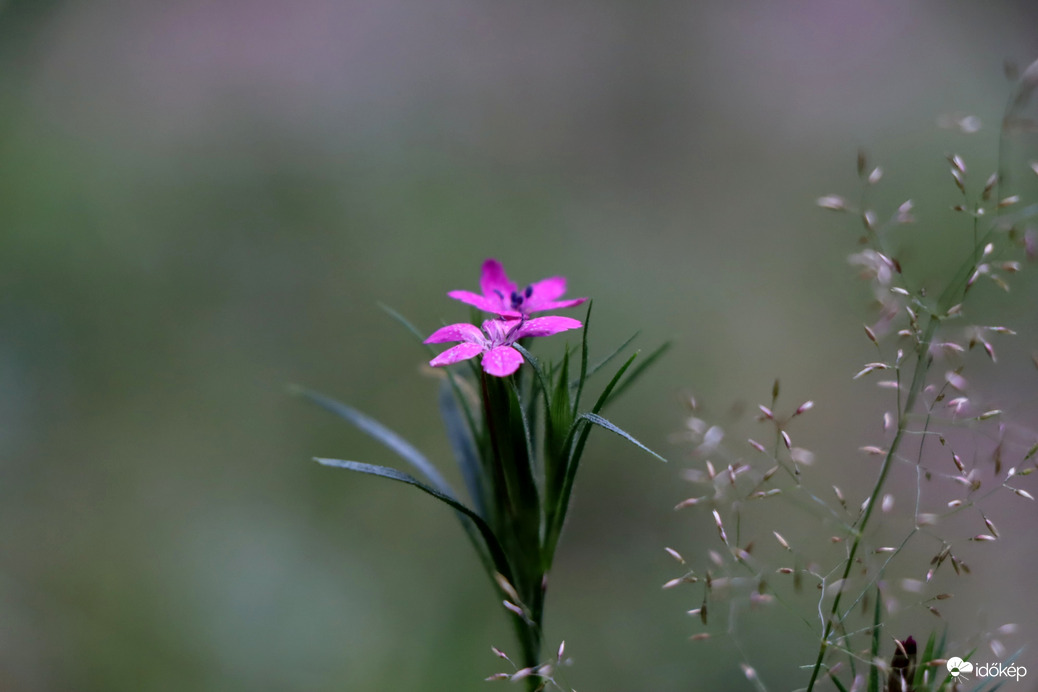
(955, 289)
(527, 629)
(918, 380)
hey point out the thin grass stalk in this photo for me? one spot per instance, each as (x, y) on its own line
(918, 382)
(922, 367)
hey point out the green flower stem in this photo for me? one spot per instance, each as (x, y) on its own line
(500, 486)
(518, 527)
(530, 643)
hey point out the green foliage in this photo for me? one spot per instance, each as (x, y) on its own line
(518, 456)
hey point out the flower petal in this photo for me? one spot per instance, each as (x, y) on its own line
(547, 289)
(457, 353)
(457, 332)
(493, 280)
(486, 304)
(554, 304)
(546, 326)
(502, 361)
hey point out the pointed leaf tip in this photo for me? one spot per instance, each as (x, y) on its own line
(388, 438)
(603, 423)
(486, 534)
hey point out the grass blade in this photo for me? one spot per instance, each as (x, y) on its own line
(583, 360)
(535, 364)
(407, 325)
(603, 423)
(603, 398)
(927, 656)
(605, 361)
(543, 383)
(642, 366)
(876, 622)
(563, 484)
(561, 480)
(404, 449)
(489, 540)
(460, 438)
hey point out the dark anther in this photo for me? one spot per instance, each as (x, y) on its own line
(528, 292)
(517, 299)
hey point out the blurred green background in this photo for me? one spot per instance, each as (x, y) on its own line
(203, 202)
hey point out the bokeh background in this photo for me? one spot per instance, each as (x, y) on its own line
(203, 202)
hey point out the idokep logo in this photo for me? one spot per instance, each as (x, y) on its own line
(958, 668)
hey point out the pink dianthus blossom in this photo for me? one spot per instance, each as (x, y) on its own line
(495, 341)
(502, 297)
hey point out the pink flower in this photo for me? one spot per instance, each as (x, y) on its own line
(501, 297)
(495, 341)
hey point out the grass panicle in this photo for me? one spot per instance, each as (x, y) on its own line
(941, 431)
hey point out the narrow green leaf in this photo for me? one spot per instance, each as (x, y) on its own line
(432, 351)
(560, 480)
(877, 620)
(542, 382)
(530, 393)
(839, 685)
(451, 377)
(489, 540)
(527, 430)
(603, 423)
(560, 412)
(608, 359)
(562, 483)
(535, 364)
(464, 403)
(562, 379)
(603, 398)
(521, 454)
(559, 422)
(920, 670)
(407, 325)
(642, 366)
(516, 505)
(404, 449)
(461, 441)
(583, 359)
(524, 526)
